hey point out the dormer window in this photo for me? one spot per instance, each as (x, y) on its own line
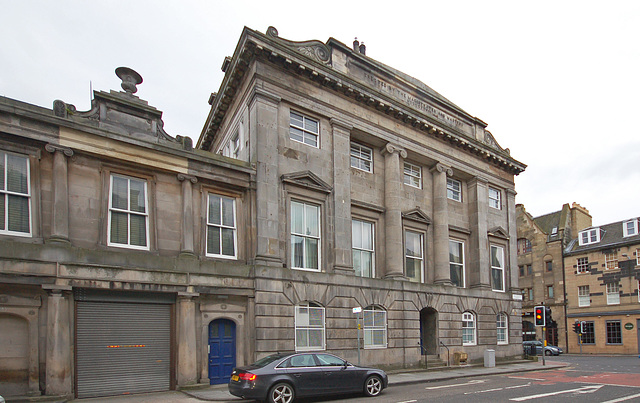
(554, 231)
(589, 236)
(630, 228)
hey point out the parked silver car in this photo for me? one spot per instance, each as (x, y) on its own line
(548, 350)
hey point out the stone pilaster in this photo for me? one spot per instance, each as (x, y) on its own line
(60, 211)
(441, 224)
(186, 339)
(394, 249)
(513, 242)
(58, 350)
(342, 196)
(479, 265)
(263, 111)
(187, 214)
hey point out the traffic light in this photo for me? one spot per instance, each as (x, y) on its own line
(538, 315)
(547, 316)
(577, 328)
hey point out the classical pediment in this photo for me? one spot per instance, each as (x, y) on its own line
(417, 215)
(307, 179)
(498, 232)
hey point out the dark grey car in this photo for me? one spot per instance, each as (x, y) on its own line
(281, 378)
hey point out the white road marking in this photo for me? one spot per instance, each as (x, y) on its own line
(525, 377)
(622, 399)
(586, 389)
(458, 384)
(409, 401)
(498, 389)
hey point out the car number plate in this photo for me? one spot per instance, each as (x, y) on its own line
(235, 378)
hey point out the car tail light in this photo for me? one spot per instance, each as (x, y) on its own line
(247, 376)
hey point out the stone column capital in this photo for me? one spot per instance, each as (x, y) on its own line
(478, 180)
(183, 177)
(259, 93)
(511, 192)
(52, 148)
(394, 148)
(439, 167)
(341, 124)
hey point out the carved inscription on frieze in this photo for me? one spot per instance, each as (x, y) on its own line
(412, 101)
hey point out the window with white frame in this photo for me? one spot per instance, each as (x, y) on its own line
(495, 198)
(456, 263)
(414, 256)
(454, 190)
(412, 175)
(630, 228)
(221, 227)
(638, 256)
(310, 327)
(502, 325)
(361, 157)
(305, 236)
(584, 298)
(583, 265)
(611, 259)
(497, 268)
(468, 329)
(15, 190)
(304, 129)
(613, 293)
(375, 327)
(128, 213)
(362, 243)
(589, 236)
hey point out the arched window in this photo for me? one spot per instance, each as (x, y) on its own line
(468, 329)
(310, 331)
(502, 328)
(375, 327)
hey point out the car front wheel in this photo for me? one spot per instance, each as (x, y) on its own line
(373, 386)
(281, 393)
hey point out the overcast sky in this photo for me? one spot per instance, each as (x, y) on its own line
(557, 82)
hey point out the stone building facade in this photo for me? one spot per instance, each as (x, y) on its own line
(323, 181)
(110, 277)
(602, 270)
(372, 191)
(541, 244)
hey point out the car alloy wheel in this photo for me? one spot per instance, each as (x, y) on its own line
(548, 352)
(281, 393)
(373, 386)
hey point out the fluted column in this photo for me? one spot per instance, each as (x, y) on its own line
(394, 249)
(342, 196)
(479, 264)
(513, 241)
(187, 214)
(441, 224)
(263, 111)
(58, 350)
(186, 339)
(60, 183)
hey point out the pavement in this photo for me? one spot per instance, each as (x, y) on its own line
(220, 393)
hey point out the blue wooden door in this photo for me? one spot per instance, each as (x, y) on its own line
(222, 350)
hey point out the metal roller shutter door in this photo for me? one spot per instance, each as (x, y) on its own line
(122, 348)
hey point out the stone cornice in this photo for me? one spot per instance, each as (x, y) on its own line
(254, 45)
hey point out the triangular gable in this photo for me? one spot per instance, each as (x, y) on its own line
(307, 179)
(417, 215)
(498, 232)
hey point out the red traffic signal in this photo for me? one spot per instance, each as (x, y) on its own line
(577, 328)
(539, 315)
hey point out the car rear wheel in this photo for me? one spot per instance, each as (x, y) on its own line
(548, 352)
(373, 386)
(281, 393)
